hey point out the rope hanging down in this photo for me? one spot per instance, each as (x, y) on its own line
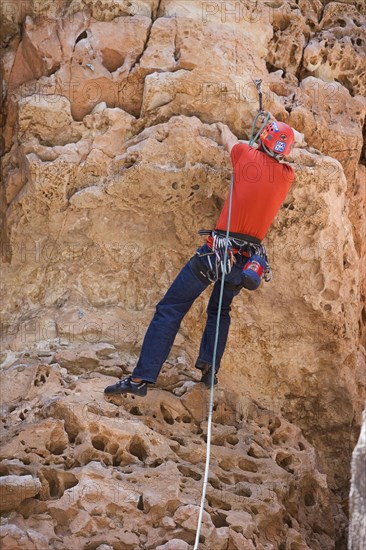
(210, 407)
(265, 118)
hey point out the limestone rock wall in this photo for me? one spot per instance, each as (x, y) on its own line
(79, 472)
(111, 164)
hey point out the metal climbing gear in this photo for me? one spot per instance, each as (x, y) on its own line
(244, 245)
(262, 116)
(217, 261)
(224, 255)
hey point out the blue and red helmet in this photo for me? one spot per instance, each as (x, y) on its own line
(278, 137)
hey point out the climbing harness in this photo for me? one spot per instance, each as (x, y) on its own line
(243, 245)
(223, 245)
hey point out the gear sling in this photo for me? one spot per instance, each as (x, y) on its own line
(255, 268)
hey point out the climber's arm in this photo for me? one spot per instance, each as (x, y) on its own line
(228, 139)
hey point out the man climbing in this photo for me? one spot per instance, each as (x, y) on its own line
(261, 183)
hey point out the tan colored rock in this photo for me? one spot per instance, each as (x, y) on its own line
(238, 521)
(87, 358)
(336, 52)
(237, 541)
(22, 380)
(48, 41)
(120, 127)
(187, 516)
(119, 50)
(174, 544)
(108, 10)
(88, 80)
(221, 538)
(146, 153)
(12, 537)
(15, 489)
(48, 118)
(338, 137)
(111, 165)
(51, 439)
(288, 41)
(219, 88)
(99, 462)
(39, 53)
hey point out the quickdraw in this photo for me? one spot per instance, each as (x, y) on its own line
(264, 116)
(218, 261)
(218, 247)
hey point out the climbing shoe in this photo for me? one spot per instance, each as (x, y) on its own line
(127, 386)
(201, 365)
(206, 376)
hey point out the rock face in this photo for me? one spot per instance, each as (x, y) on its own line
(357, 530)
(79, 471)
(111, 164)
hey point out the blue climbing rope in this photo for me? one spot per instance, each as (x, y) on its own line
(265, 117)
(210, 407)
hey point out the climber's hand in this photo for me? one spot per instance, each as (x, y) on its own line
(220, 126)
(228, 140)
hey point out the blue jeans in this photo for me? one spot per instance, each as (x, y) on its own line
(172, 308)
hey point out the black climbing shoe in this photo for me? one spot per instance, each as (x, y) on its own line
(127, 386)
(201, 365)
(206, 376)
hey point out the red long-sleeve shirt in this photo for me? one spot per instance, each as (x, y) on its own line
(260, 187)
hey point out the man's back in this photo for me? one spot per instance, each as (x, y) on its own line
(260, 187)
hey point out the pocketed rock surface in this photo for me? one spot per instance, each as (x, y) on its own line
(111, 164)
(80, 471)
